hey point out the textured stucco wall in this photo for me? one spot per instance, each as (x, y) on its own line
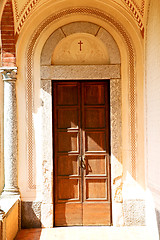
(153, 102)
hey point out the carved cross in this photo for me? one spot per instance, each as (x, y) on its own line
(80, 43)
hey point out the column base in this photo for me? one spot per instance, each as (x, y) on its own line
(10, 192)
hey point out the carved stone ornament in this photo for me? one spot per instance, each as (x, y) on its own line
(9, 73)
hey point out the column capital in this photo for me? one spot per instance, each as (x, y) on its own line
(9, 73)
(2, 214)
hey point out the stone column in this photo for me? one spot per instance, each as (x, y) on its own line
(10, 130)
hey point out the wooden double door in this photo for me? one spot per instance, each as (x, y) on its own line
(81, 153)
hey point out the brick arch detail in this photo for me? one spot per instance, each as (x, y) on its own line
(7, 36)
(29, 84)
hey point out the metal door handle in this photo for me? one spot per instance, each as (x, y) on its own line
(83, 162)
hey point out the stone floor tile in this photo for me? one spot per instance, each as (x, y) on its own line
(88, 233)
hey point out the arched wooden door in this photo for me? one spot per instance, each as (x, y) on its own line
(81, 153)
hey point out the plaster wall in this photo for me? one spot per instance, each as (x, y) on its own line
(153, 104)
(33, 191)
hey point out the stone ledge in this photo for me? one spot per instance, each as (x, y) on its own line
(9, 217)
(7, 204)
(76, 72)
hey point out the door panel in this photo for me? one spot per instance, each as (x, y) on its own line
(94, 94)
(67, 95)
(96, 178)
(70, 115)
(95, 141)
(96, 165)
(94, 117)
(68, 214)
(68, 188)
(96, 189)
(81, 153)
(68, 141)
(68, 193)
(67, 165)
(98, 214)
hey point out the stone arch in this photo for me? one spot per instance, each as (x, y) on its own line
(80, 27)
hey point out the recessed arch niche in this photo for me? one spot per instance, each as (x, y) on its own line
(63, 68)
(80, 49)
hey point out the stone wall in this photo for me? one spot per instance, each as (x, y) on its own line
(31, 214)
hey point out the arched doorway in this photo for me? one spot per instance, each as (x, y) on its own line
(82, 76)
(40, 72)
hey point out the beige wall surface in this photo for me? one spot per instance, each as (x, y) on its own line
(24, 9)
(153, 102)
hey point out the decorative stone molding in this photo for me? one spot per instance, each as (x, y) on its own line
(136, 10)
(93, 72)
(9, 73)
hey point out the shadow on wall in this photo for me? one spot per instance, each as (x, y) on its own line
(158, 220)
(31, 214)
